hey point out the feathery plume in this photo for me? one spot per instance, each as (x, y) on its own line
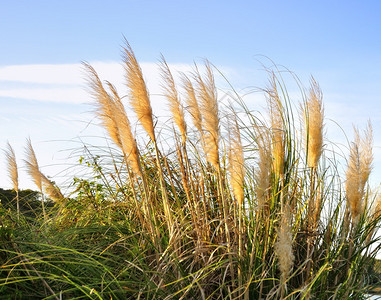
(277, 128)
(111, 112)
(139, 97)
(171, 94)
(51, 189)
(128, 143)
(366, 155)
(13, 173)
(352, 184)
(236, 159)
(263, 177)
(209, 111)
(192, 104)
(358, 170)
(104, 105)
(283, 245)
(12, 166)
(32, 165)
(314, 125)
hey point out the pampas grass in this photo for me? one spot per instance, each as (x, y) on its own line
(229, 205)
(263, 177)
(34, 171)
(192, 103)
(139, 97)
(277, 128)
(314, 124)
(13, 173)
(358, 171)
(207, 96)
(283, 249)
(170, 92)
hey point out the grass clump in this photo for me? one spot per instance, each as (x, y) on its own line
(237, 207)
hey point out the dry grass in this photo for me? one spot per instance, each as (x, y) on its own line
(170, 92)
(250, 212)
(314, 125)
(358, 170)
(139, 97)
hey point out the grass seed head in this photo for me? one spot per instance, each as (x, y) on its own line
(283, 245)
(32, 165)
(314, 124)
(104, 105)
(139, 97)
(172, 96)
(12, 166)
(263, 178)
(236, 166)
(210, 118)
(358, 171)
(51, 190)
(277, 128)
(192, 103)
(127, 140)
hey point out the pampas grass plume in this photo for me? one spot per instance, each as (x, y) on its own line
(104, 105)
(12, 166)
(358, 171)
(263, 177)
(209, 112)
(172, 96)
(283, 245)
(51, 190)
(139, 97)
(128, 143)
(236, 158)
(277, 128)
(314, 125)
(192, 103)
(32, 165)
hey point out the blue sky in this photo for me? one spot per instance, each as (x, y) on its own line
(42, 89)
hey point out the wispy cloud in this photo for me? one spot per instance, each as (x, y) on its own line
(66, 83)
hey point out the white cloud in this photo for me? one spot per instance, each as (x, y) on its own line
(66, 83)
(47, 94)
(45, 74)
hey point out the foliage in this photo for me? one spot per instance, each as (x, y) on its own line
(232, 210)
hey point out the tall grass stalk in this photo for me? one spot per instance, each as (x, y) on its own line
(225, 203)
(34, 171)
(13, 174)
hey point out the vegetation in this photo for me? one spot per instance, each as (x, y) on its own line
(237, 206)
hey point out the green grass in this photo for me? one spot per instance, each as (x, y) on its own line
(174, 219)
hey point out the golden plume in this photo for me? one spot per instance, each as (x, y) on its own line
(314, 125)
(192, 104)
(128, 143)
(366, 155)
(358, 170)
(110, 110)
(209, 111)
(171, 94)
(32, 165)
(263, 176)
(236, 165)
(51, 190)
(104, 105)
(139, 97)
(12, 166)
(277, 128)
(283, 245)
(40, 180)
